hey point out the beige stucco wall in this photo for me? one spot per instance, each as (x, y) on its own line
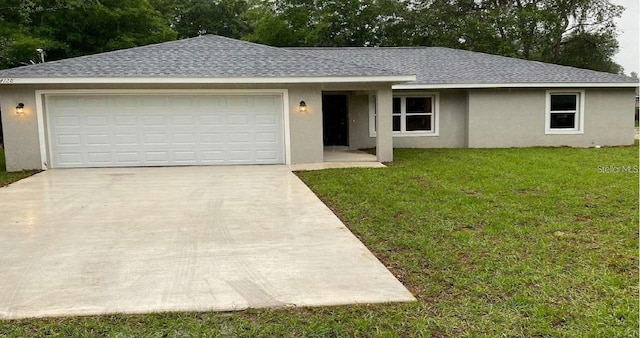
(481, 118)
(21, 136)
(516, 118)
(21, 142)
(452, 123)
(384, 143)
(306, 128)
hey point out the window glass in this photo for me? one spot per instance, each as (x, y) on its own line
(563, 120)
(396, 123)
(418, 122)
(410, 115)
(418, 105)
(397, 105)
(564, 102)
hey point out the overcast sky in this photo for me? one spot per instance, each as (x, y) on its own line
(629, 56)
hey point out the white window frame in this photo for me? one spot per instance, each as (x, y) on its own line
(580, 112)
(435, 105)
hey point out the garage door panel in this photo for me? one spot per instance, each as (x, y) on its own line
(211, 138)
(212, 157)
(128, 130)
(182, 121)
(67, 122)
(156, 156)
(266, 120)
(241, 120)
(185, 156)
(127, 157)
(266, 155)
(70, 158)
(126, 139)
(68, 139)
(100, 157)
(97, 121)
(238, 138)
(125, 121)
(239, 155)
(262, 137)
(154, 121)
(155, 139)
(185, 139)
(211, 120)
(98, 139)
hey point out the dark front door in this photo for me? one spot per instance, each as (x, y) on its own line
(335, 120)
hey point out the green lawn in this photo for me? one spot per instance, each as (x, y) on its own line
(534, 242)
(8, 178)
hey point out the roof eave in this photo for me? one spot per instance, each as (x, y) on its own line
(205, 80)
(516, 85)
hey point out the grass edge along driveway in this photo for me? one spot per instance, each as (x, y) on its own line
(492, 242)
(8, 178)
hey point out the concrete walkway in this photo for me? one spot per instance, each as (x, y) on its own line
(341, 157)
(133, 240)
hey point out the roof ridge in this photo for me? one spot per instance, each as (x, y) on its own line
(287, 50)
(362, 47)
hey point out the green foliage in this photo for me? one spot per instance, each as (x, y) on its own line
(544, 30)
(23, 47)
(589, 50)
(578, 33)
(555, 31)
(331, 23)
(191, 18)
(66, 28)
(274, 31)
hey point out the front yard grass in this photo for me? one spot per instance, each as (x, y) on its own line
(8, 178)
(536, 242)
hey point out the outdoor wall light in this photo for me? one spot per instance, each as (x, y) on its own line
(302, 107)
(20, 109)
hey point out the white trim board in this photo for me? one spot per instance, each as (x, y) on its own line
(518, 85)
(327, 79)
(42, 136)
(229, 80)
(45, 144)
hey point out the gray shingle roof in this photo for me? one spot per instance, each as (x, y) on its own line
(207, 56)
(216, 57)
(437, 65)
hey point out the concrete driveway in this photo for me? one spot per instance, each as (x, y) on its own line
(132, 240)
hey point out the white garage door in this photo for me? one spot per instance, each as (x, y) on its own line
(153, 130)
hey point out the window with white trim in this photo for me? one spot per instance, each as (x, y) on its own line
(412, 115)
(564, 112)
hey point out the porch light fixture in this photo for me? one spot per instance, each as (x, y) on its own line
(20, 109)
(302, 107)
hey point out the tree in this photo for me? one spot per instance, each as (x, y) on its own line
(285, 23)
(589, 50)
(191, 18)
(544, 30)
(579, 33)
(66, 28)
(329, 23)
